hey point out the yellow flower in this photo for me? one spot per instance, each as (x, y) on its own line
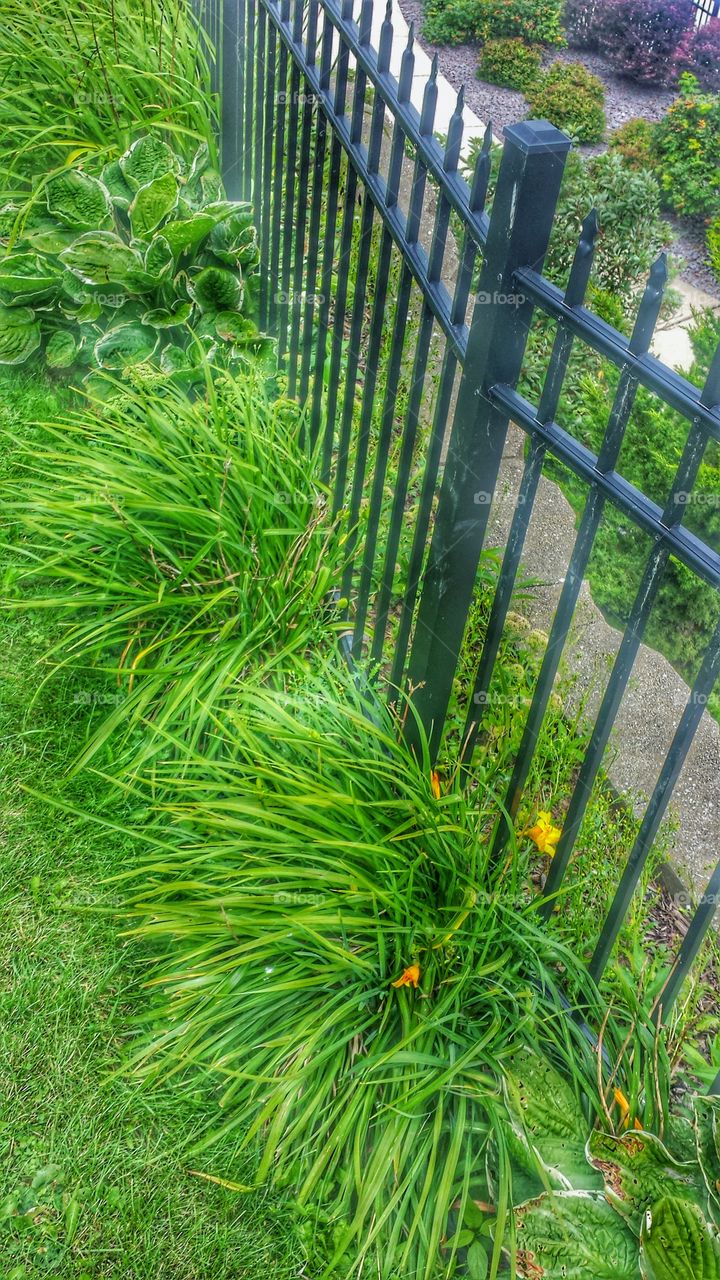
(435, 783)
(410, 977)
(544, 834)
(624, 1106)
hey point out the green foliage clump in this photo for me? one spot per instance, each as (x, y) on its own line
(184, 543)
(318, 882)
(145, 260)
(456, 21)
(570, 97)
(510, 62)
(83, 79)
(632, 231)
(686, 148)
(713, 244)
(634, 142)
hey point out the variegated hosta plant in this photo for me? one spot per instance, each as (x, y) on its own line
(145, 261)
(629, 1206)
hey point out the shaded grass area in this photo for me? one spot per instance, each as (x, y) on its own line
(95, 1174)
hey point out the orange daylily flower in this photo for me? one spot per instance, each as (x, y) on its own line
(435, 783)
(410, 977)
(624, 1106)
(544, 833)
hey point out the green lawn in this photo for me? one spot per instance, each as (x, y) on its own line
(95, 1175)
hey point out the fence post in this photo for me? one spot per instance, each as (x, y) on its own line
(528, 183)
(232, 85)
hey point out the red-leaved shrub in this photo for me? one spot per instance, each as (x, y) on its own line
(699, 52)
(640, 37)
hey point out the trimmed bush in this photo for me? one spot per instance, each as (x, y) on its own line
(570, 97)
(640, 37)
(633, 141)
(686, 148)
(456, 21)
(509, 62)
(713, 243)
(699, 52)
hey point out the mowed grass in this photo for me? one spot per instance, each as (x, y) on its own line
(95, 1175)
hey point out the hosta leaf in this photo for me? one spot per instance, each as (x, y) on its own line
(79, 201)
(152, 204)
(216, 289)
(679, 1138)
(638, 1170)
(119, 190)
(8, 218)
(159, 258)
(706, 1115)
(101, 257)
(200, 162)
(163, 319)
(61, 350)
(147, 159)
(545, 1112)
(232, 326)
(572, 1235)
(89, 312)
(186, 235)
(25, 278)
(677, 1244)
(126, 345)
(48, 236)
(211, 185)
(19, 334)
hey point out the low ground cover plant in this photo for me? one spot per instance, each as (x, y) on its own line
(570, 97)
(146, 260)
(182, 542)
(82, 81)
(510, 62)
(633, 141)
(455, 21)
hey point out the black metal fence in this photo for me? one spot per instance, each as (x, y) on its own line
(705, 10)
(403, 307)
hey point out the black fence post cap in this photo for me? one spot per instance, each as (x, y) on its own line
(537, 135)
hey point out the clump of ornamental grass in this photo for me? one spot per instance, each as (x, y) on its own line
(80, 78)
(183, 543)
(333, 941)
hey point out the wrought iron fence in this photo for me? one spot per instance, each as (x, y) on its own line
(402, 305)
(705, 10)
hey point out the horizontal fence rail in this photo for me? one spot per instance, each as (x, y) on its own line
(402, 298)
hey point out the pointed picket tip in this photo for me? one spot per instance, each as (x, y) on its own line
(488, 136)
(659, 271)
(411, 35)
(434, 69)
(710, 395)
(460, 104)
(590, 226)
(388, 11)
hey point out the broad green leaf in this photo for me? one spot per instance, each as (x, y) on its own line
(676, 1243)
(152, 204)
(200, 162)
(25, 278)
(546, 1113)
(79, 201)
(638, 1169)
(186, 235)
(232, 326)
(47, 235)
(211, 185)
(101, 258)
(216, 289)
(61, 350)
(128, 344)
(148, 158)
(706, 1111)
(159, 259)
(572, 1235)
(119, 190)
(161, 318)
(19, 334)
(679, 1138)
(477, 1261)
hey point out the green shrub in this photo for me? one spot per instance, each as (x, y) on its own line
(183, 542)
(686, 148)
(334, 941)
(713, 244)
(632, 231)
(83, 79)
(570, 97)
(509, 62)
(634, 141)
(146, 260)
(456, 21)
